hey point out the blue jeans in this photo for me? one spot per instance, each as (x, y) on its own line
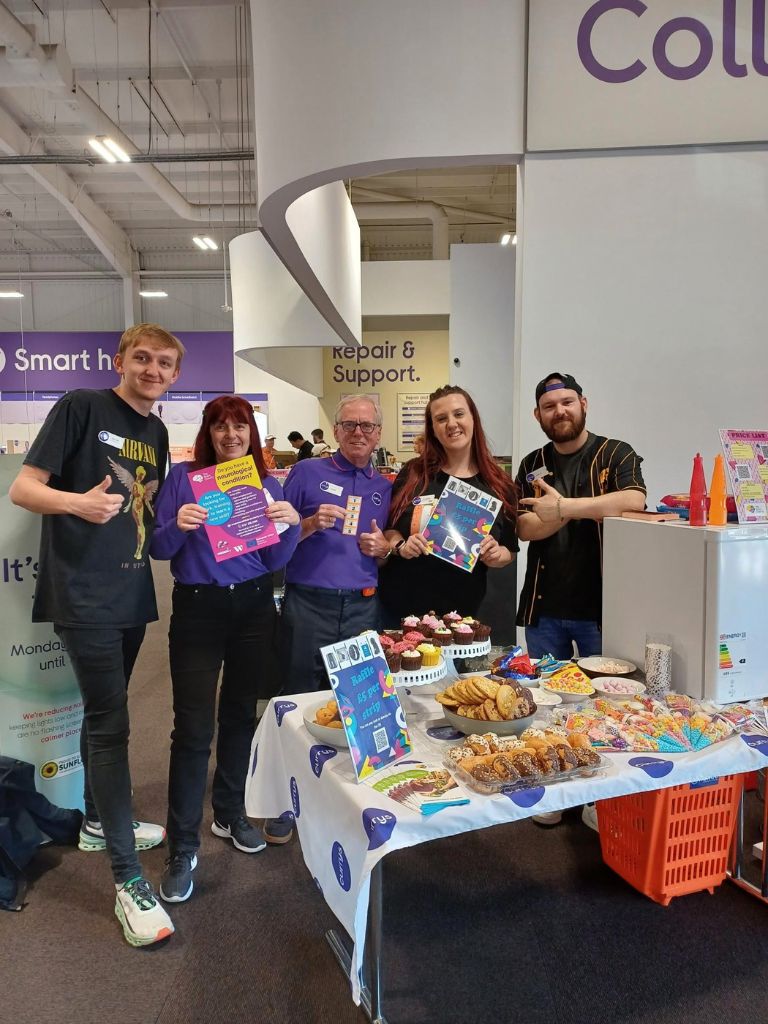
(556, 636)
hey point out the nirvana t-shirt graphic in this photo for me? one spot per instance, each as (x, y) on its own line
(99, 574)
(141, 492)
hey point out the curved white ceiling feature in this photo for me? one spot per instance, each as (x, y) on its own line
(348, 88)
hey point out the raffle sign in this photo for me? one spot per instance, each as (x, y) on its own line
(369, 707)
(236, 504)
(462, 517)
(746, 456)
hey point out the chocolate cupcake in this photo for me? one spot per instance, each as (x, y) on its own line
(450, 618)
(482, 632)
(463, 633)
(394, 660)
(411, 661)
(442, 637)
(396, 635)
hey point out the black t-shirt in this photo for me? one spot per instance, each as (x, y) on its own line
(570, 561)
(91, 574)
(305, 452)
(413, 586)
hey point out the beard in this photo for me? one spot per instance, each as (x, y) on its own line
(566, 429)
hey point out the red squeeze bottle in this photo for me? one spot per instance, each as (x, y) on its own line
(698, 495)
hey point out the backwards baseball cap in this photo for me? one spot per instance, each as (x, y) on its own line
(269, 437)
(556, 381)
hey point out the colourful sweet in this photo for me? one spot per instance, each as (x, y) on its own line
(410, 622)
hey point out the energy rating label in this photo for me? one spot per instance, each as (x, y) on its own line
(746, 457)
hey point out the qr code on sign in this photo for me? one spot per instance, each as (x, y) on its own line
(449, 544)
(743, 472)
(381, 740)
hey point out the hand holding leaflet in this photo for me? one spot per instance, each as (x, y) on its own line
(231, 495)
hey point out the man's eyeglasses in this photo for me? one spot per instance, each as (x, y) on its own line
(350, 426)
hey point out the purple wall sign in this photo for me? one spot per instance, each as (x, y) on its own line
(601, 67)
(61, 361)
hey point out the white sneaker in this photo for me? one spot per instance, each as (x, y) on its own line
(548, 820)
(143, 919)
(145, 836)
(589, 816)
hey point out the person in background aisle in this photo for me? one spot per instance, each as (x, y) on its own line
(455, 445)
(304, 448)
(590, 477)
(268, 452)
(223, 615)
(99, 456)
(331, 581)
(321, 451)
(319, 445)
(418, 446)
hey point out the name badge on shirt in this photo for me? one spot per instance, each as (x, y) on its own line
(326, 485)
(112, 439)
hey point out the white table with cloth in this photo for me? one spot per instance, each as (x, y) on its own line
(345, 828)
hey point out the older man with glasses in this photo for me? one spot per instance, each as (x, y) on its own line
(332, 578)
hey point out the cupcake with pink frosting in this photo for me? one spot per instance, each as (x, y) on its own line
(462, 633)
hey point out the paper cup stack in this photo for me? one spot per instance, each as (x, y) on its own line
(658, 669)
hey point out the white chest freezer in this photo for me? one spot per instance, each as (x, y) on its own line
(703, 590)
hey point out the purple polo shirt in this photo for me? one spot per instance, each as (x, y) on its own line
(190, 551)
(328, 558)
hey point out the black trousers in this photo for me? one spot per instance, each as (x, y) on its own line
(312, 618)
(103, 659)
(213, 626)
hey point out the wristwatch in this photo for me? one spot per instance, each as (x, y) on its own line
(396, 548)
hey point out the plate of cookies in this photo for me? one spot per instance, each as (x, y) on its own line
(324, 723)
(504, 707)
(490, 764)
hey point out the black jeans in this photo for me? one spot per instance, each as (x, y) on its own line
(312, 618)
(103, 659)
(211, 626)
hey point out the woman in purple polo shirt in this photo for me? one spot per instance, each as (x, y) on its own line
(223, 614)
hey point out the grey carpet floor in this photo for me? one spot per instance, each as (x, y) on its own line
(509, 924)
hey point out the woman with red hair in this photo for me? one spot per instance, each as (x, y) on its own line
(223, 615)
(454, 445)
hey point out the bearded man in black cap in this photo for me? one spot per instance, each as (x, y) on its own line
(567, 488)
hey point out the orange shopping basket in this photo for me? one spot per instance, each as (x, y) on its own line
(674, 841)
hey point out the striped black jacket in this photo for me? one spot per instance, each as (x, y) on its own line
(609, 465)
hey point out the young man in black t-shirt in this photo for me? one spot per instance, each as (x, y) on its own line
(93, 472)
(580, 478)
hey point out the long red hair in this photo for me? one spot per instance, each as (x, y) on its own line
(216, 411)
(423, 468)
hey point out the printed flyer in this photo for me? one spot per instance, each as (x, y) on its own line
(426, 788)
(461, 518)
(369, 707)
(746, 457)
(237, 504)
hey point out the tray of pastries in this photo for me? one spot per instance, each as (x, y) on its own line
(488, 764)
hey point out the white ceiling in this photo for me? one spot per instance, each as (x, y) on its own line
(199, 52)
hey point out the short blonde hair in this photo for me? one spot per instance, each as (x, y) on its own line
(157, 336)
(357, 398)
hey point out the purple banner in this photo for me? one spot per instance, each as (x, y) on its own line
(61, 361)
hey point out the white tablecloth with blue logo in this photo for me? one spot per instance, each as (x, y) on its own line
(345, 827)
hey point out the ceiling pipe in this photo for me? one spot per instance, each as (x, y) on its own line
(476, 215)
(400, 211)
(17, 38)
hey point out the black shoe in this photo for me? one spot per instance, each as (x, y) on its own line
(176, 884)
(279, 830)
(243, 834)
